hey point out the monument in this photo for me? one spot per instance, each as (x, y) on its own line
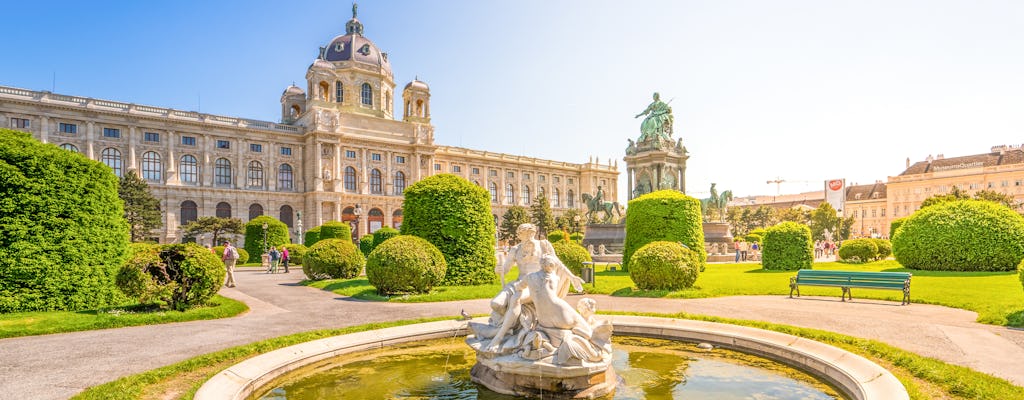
(655, 161)
(535, 343)
(717, 236)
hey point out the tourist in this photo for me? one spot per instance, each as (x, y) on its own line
(756, 248)
(743, 250)
(736, 249)
(229, 257)
(275, 257)
(284, 258)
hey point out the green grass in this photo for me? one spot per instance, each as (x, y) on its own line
(41, 323)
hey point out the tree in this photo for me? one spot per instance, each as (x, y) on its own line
(794, 215)
(214, 225)
(575, 224)
(515, 216)
(540, 215)
(955, 194)
(994, 196)
(141, 208)
(824, 218)
(764, 217)
(845, 227)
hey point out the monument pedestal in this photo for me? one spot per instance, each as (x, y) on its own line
(718, 242)
(544, 380)
(612, 236)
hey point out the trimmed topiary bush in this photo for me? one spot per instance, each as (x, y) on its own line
(333, 258)
(178, 276)
(63, 235)
(576, 237)
(895, 225)
(787, 246)
(295, 253)
(366, 244)
(961, 235)
(382, 235)
(454, 215)
(664, 215)
(311, 237)
(665, 265)
(243, 256)
(336, 230)
(277, 235)
(405, 264)
(884, 248)
(558, 236)
(572, 255)
(858, 250)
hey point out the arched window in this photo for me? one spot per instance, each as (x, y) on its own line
(556, 200)
(69, 147)
(189, 212)
(339, 92)
(570, 200)
(286, 215)
(396, 219)
(222, 172)
(367, 95)
(399, 183)
(255, 210)
(255, 174)
(493, 188)
(540, 191)
(151, 167)
(375, 182)
(387, 100)
(325, 90)
(285, 177)
(188, 169)
(510, 194)
(526, 195)
(350, 179)
(223, 210)
(112, 158)
(375, 217)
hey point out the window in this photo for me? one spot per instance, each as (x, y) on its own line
(255, 174)
(526, 195)
(570, 200)
(510, 194)
(367, 95)
(285, 177)
(437, 167)
(1018, 182)
(883, 212)
(991, 185)
(510, 175)
(188, 140)
(350, 179)
(67, 128)
(493, 188)
(188, 169)
(112, 158)
(189, 211)
(492, 172)
(476, 171)
(540, 178)
(456, 168)
(255, 147)
(569, 181)
(556, 179)
(223, 210)
(222, 172)
(286, 215)
(556, 199)
(151, 167)
(526, 176)
(399, 183)
(151, 137)
(1004, 183)
(863, 213)
(874, 213)
(255, 210)
(400, 159)
(375, 156)
(350, 154)
(112, 133)
(286, 151)
(20, 123)
(69, 147)
(223, 144)
(339, 92)
(375, 182)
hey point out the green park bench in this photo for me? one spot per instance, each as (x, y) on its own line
(849, 279)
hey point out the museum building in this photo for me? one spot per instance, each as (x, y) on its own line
(338, 153)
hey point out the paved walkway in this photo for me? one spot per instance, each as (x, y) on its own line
(60, 365)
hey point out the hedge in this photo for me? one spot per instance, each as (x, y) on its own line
(664, 265)
(884, 248)
(63, 235)
(895, 225)
(383, 234)
(242, 254)
(311, 237)
(405, 264)
(787, 246)
(454, 215)
(336, 230)
(572, 255)
(558, 236)
(576, 237)
(179, 276)
(858, 250)
(333, 258)
(961, 235)
(665, 215)
(295, 253)
(366, 244)
(277, 235)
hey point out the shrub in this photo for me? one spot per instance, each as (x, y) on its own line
(664, 265)
(454, 215)
(576, 237)
(664, 215)
(277, 235)
(336, 230)
(895, 225)
(333, 258)
(755, 236)
(558, 236)
(1020, 272)
(243, 256)
(858, 250)
(383, 234)
(962, 235)
(884, 248)
(63, 235)
(295, 253)
(180, 276)
(572, 255)
(366, 245)
(787, 246)
(311, 237)
(405, 264)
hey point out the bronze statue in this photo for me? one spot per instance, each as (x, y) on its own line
(597, 204)
(658, 123)
(713, 208)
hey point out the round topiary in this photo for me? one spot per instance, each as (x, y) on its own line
(572, 255)
(180, 276)
(787, 246)
(277, 235)
(336, 230)
(558, 236)
(63, 235)
(664, 265)
(295, 253)
(454, 215)
(311, 237)
(333, 258)
(405, 264)
(894, 227)
(858, 250)
(961, 235)
(884, 248)
(366, 244)
(664, 215)
(381, 235)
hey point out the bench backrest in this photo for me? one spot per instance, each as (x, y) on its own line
(881, 280)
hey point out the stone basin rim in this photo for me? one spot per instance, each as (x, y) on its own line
(855, 376)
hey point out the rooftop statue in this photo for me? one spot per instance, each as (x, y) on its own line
(658, 121)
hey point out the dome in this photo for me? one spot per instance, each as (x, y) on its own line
(417, 84)
(321, 63)
(294, 90)
(356, 47)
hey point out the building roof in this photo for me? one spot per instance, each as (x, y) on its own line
(875, 190)
(416, 83)
(1000, 155)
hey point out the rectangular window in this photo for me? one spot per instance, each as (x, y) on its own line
(151, 137)
(375, 156)
(223, 144)
(1018, 182)
(492, 172)
(286, 151)
(255, 147)
(456, 168)
(510, 175)
(476, 171)
(883, 212)
(188, 140)
(540, 178)
(437, 167)
(68, 128)
(20, 123)
(526, 176)
(112, 133)
(1004, 183)
(569, 181)
(350, 154)
(400, 159)
(556, 179)
(991, 185)
(873, 213)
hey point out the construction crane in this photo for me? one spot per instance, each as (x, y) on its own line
(778, 184)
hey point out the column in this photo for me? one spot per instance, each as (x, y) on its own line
(388, 176)
(629, 183)
(682, 178)
(132, 162)
(240, 178)
(172, 175)
(44, 129)
(206, 173)
(364, 166)
(501, 185)
(90, 140)
(658, 174)
(319, 218)
(417, 168)
(337, 210)
(318, 178)
(339, 176)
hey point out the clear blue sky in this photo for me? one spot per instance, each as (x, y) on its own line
(802, 90)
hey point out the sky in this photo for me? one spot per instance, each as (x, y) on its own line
(800, 91)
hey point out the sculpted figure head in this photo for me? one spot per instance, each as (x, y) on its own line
(526, 232)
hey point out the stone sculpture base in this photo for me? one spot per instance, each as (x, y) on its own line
(543, 380)
(612, 236)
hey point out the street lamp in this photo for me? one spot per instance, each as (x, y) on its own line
(264, 238)
(358, 211)
(576, 222)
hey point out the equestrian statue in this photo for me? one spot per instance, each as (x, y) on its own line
(713, 207)
(597, 204)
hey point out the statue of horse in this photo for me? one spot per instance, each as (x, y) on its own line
(713, 207)
(595, 205)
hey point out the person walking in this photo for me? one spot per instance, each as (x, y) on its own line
(743, 250)
(284, 258)
(275, 258)
(229, 257)
(736, 249)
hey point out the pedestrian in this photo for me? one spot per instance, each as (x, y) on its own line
(284, 258)
(743, 250)
(736, 249)
(229, 257)
(756, 249)
(275, 257)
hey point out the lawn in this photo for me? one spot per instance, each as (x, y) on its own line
(42, 323)
(997, 297)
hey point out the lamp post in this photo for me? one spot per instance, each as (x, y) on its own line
(264, 237)
(355, 235)
(576, 222)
